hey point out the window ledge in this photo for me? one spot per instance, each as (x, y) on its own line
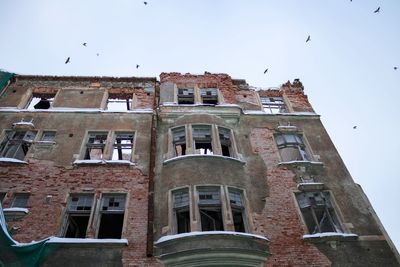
(88, 241)
(12, 160)
(15, 214)
(310, 186)
(100, 162)
(202, 156)
(45, 143)
(329, 236)
(301, 163)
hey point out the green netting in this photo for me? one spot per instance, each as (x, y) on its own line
(16, 254)
(4, 78)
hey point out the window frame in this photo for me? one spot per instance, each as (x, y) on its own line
(102, 146)
(9, 141)
(126, 98)
(25, 198)
(50, 97)
(100, 212)
(197, 97)
(132, 145)
(303, 149)
(270, 106)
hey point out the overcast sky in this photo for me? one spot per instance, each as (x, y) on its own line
(347, 68)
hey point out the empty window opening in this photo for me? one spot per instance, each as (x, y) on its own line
(95, 146)
(123, 145)
(181, 211)
(41, 101)
(119, 102)
(77, 216)
(185, 96)
(210, 209)
(291, 147)
(209, 95)
(237, 208)
(202, 139)
(111, 216)
(16, 144)
(20, 200)
(273, 105)
(2, 196)
(225, 139)
(48, 136)
(179, 141)
(318, 212)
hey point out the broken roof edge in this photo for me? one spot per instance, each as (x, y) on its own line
(85, 78)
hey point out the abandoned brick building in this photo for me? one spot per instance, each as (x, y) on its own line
(187, 170)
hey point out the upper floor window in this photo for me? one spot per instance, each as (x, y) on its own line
(48, 136)
(119, 102)
(77, 215)
(185, 96)
(291, 147)
(20, 200)
(123, 146)
(273, 105)
(16, 144)
(41, 101)
(111, 216)
(95, 145)
(209, 95)
(318, 212)
(206, 140)
(216, 210)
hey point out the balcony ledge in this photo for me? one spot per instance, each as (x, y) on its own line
(329, 236)
(202, 156)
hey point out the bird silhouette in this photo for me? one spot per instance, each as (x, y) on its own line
(67, 61)
(377, 10)
(265, 71)
(395, 68)
(84, 44)
(137, 66)
(97, 54)
(354, 127)
(145, 3)
(308, 39)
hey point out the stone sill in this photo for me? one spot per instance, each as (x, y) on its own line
(15, 214)
(305, 163)
(103, 162)
(179, 158)
(12, 161)
(310, 186)
(87, 242)
(330, 236)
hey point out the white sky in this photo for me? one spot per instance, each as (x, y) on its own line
(347, 68)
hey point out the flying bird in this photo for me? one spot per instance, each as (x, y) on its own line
(377, 10)
(67, 61)
(266, 70)
(145, 3)
(395, 68)
(354, 127)
(137, 66)
(97, 54)
(84, 44)
(308, 39)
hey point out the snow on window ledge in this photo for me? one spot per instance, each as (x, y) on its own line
(287, 128)
(100, 161)
(300, 162)
(45, 143)
(201, 156)
(12, 160)
(221, 233)
(312, 186)
(61, 240)
(122, 162)
(329, 236)
(15, 210)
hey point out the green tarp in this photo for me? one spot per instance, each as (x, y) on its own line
(4, 78)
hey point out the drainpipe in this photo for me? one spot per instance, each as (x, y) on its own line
(153, 151)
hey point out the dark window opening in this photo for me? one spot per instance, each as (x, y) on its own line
(2, 196)
(111, 226)
(95, 145)
(225, 139)
(237, 208)
(41, 101)
(20, 200)
(77, 225)
(123, 146)
(238, 220)
(181, 209)
(209, 96)
(211, 219)
(318, 212)
(179, 141)
(291, 147)
(16, 144)
(185, 96)
(183, 221)
(202, 139)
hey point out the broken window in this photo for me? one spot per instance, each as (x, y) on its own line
(181, 210)
(95, 145)
(318, 212)
(112, 211)
(237, 208)
(291, 147)
(16, 144)
(123, 145)
(41, 101)
(202, 139)
(20, 200)
(210, 209)
(119, 102)
(48, 136)
(77, 216)
(209, 95)
(225, 140)
(185, 96)
(179, 141)
(2, 196)
(273, 105)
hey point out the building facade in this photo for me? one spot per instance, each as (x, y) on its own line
(187, 170)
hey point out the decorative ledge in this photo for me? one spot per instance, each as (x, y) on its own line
(329, 236)
(310, 186)
(214, 248)
(305, 163)
(88, 241)
(101, 162)
(202, 156)
(12, 160)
